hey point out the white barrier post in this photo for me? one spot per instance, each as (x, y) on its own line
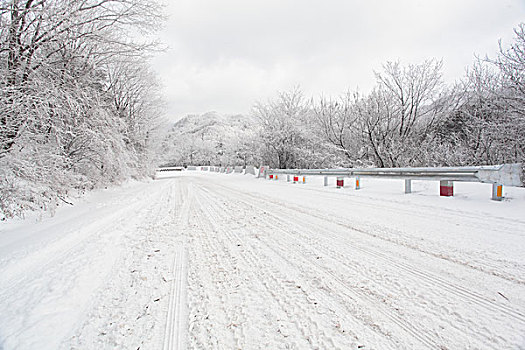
(408, 186)
(287, 178)
(497, 192)
(325, 181)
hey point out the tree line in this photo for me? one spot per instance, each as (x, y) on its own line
(78, 106)
(410, 118)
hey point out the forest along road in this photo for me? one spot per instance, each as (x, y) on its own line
(213, 261)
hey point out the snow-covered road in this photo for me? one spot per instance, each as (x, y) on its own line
(214, 261)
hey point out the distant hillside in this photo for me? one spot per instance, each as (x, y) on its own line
(212, 125)
(209, 138)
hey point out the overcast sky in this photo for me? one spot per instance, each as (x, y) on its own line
(224, 55)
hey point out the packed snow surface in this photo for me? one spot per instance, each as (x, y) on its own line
(204, 260)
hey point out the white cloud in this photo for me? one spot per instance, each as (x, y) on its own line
(227, 54)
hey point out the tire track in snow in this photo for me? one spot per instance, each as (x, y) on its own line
(308, 322)
(420, 334)
(252, 198)
(128, 310)
(398, 206)
(421, 337)
(207, 270)
(429, 278)
(62, 274)
(275, 288)
(490, 268)
(175, 333)
(39, 263)
(281, 223)
(50, 302)
(176, 320)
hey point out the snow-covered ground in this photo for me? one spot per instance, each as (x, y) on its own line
(216, 261)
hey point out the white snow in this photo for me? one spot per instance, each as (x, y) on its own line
(208, 260)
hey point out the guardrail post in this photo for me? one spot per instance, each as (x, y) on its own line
(325, 183)
(357, 183)
(497, 192)
(287, 178)
(446, 188)
(340, 182)
(408, 186)
(262, 171)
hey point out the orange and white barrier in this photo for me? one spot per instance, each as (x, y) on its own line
(497, 192)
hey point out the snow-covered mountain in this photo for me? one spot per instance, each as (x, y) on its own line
(212, 125)
(209, 138)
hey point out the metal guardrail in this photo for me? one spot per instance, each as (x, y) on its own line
(497, 175)
(505, 174)
(170, 168)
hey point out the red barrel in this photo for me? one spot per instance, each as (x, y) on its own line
(340, 182)
(271, 176)
(296, 179)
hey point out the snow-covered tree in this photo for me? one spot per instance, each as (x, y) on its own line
(337, 120)
(488, 125)
(281, 128)
(60, 124)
